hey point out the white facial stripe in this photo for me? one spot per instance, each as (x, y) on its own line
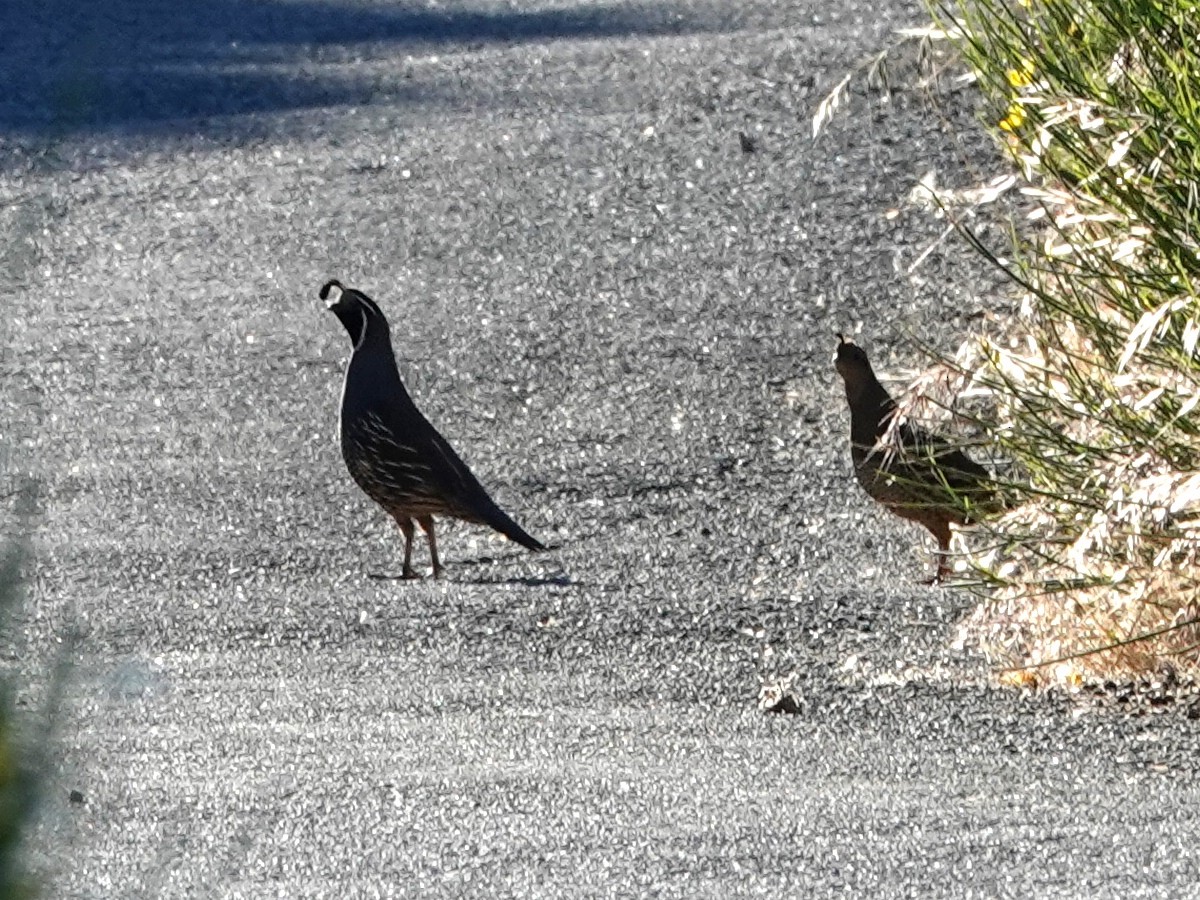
(335, 294)
(362, 335)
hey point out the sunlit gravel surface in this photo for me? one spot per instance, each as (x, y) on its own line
(625, 324)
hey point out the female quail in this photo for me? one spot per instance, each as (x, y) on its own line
(391, 450)
(927, 481)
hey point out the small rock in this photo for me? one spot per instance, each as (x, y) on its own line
(779, 697)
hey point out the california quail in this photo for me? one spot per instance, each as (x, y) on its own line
(391, 450)
(926, 481)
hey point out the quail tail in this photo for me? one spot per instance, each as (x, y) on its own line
(496, 517)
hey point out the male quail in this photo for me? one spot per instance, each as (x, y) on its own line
(926, 480)
(391, 450)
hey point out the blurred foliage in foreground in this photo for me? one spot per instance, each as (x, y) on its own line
(19, 762)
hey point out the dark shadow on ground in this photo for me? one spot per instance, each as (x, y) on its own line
(529, 580)
(146, 65)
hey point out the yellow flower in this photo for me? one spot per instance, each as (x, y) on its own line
(1015, 118)
(1021, 76)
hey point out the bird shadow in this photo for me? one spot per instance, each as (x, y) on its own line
(560, 580)
(531, 581)
(488, 559)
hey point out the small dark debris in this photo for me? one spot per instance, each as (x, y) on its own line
(748, 143)
(781, 698)
(76, 797)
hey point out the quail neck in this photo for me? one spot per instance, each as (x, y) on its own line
(372, 379)
(367, 329)
(870, 403)
(870, 407)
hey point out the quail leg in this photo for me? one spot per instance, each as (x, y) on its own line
(942, 573)
(941, 530)
(426, 523)
(406, 526)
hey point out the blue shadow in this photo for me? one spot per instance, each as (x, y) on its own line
(150, 65)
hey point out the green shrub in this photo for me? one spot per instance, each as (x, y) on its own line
(1097, 381)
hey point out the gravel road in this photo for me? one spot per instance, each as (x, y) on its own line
(625, 325)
